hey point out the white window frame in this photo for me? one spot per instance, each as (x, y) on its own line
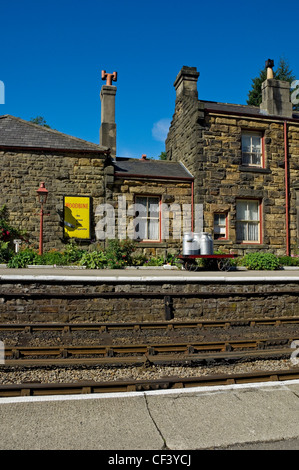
(249, 156)
(247, 225)
(218, 233)
(147, 217)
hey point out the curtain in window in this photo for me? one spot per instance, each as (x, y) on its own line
(248, 221)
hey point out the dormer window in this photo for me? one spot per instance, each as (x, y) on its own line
(252, 149)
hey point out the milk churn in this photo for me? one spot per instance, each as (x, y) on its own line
(206, 244)
(190, 244)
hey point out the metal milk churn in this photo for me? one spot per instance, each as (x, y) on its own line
(190, 244)
(206, 244)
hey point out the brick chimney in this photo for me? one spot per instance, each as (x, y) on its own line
(108, 125)
(276, 99)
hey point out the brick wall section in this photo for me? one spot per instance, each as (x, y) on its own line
(241, 302)
(68, 173)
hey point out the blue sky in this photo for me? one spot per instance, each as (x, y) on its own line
(52, 54)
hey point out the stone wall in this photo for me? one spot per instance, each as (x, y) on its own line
(137, 301)
(67, 173)
(175, 195)
(209, 144)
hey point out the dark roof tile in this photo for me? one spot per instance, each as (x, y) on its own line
(150, 168)
(15, 132)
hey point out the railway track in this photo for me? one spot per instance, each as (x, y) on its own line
(163, 353)
(141, 326)
(172, 383)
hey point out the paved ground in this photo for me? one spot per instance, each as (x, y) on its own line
(261, 416)
(145, 274)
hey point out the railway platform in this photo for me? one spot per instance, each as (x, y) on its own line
(153, 274)
(247, 417)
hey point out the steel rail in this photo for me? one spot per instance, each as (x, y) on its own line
(90, 387)
(191, 352)
(139, 326)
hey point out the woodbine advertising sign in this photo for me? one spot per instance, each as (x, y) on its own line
(76, 216)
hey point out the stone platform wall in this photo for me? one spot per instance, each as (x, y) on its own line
(143, 301)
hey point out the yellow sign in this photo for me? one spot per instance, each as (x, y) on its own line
(77, 216)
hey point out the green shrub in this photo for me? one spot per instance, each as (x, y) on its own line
(72, 253)
(94, 260)
(6, 252)
(138, 259)
(7, 232)
(23, 258)
(119, 252)
(261, 261)
(53, 258)
(288, 261)
(155, 261)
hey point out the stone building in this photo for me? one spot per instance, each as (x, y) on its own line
(245, 163)
(237, 163)
(75, 171)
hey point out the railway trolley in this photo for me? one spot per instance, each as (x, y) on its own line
(223, 261)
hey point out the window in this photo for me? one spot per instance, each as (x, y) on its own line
(148, 224)
(252, 154)
(248, 221)
(220, 226)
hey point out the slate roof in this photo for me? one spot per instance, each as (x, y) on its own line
(15, 132)
(150, 168)
(238, 109)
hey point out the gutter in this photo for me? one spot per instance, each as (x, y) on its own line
(54, 150)
(131, 175)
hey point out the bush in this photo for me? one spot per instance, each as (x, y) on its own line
(7, 232)
(261, 261)
(23, 258)
(94, 260)
(155, 261)
(119, 253)
(72, 253)
(6, 252)
(288, 261)
(53, 258)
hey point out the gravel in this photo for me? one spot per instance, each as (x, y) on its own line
(53, 374)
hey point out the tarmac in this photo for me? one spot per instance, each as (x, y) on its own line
(263, 416)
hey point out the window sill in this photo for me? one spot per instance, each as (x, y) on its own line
(254, 169)
(153, 244)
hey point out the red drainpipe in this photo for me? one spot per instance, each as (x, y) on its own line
(286, 187)
(192, 206)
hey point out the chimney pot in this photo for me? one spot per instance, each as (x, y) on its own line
(143, 157)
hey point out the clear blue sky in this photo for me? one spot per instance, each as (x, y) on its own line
(52, 54)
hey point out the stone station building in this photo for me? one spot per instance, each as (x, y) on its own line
(240, 163)
(245, 163)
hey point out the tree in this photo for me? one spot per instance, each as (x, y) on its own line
(40, 121)
(163, 156)
(283, 72)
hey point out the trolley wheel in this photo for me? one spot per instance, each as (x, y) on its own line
(191, 265)
(223, 264)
